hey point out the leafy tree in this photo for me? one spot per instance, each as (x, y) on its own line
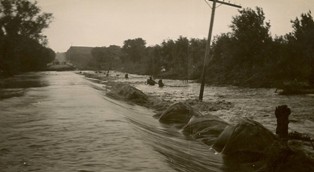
(301, 42)
(23, 17)
(106, 56)
(181, 54)
(241, 55)
(21, 25)
(100, 54)
(180, 58)
(153, 60)
(197, 50)
(115, 52)
(196, 57)
(134, 49)
(251, 35)
(167, 53)
(246, 56)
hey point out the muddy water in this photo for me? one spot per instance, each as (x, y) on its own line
(59, 121)
(256, 104)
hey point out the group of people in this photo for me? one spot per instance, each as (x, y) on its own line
(150, 81)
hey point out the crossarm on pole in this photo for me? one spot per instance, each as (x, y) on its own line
(227, 3)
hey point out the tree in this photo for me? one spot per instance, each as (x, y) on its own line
(21, 25)
(301, 41)
(153, 60)
(167, 53)
(134, 49)
(106, 55)
(251, 35)
(99, 54)
(181, 56)
(23, 17)
(241, 55)
(196, 56)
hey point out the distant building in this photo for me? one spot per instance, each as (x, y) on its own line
(79, 56)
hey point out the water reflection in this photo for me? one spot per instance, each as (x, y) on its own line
(15, 86)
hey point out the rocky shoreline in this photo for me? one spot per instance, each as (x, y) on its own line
(249, 144)
(124, 91)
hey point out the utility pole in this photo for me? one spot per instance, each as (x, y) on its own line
(207, 52)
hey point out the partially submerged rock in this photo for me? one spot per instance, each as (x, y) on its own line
(248, 137)
(193, 123)
(247, 146)
(205, 129)
(178, 114)
(282, 158)
(129, 93)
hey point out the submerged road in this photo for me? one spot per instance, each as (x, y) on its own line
(63, 122)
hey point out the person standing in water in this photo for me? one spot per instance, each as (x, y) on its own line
(160, 83)
(150, 81)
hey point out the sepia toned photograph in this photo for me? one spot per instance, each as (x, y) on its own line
(156, 86)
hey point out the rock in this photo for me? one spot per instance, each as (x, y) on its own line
(247, 146)
(282, 158)
(178, 114)
(206, 129)
(248, 140)
(157, 115)
(130, 93)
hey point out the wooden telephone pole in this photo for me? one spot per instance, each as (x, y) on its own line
(207, 52)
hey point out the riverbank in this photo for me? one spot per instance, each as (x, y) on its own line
(220, 79)
(156, 101)
(228, 103)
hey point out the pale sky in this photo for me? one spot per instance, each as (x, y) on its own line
(108, 22)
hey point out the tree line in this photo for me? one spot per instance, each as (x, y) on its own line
(247, 55)
(172, 59)
(22, 44)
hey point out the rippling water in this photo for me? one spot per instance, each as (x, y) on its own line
(68, 125)
(257, 104)
(59, 121)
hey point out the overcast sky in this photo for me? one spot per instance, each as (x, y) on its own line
(107, 22)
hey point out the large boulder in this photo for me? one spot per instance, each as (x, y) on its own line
(278, 157)
(129, 93)
(249, 140)
(178, 114)
(283, 158)
(206, 129)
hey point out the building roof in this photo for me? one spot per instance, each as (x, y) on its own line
(80, 50)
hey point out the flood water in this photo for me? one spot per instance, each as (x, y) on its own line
(66, 123)
(257, 104)
(61, 121)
